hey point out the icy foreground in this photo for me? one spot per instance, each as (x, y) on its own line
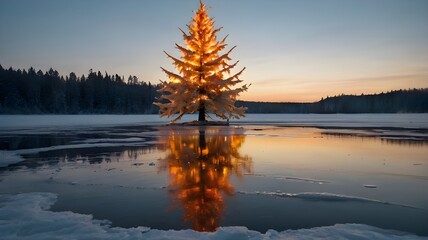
(27, 216)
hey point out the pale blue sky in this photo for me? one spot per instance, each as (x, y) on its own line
(297, 50)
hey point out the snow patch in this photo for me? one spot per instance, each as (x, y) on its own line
(27, 216)
(92, 120)
(395, 120)
(9, 157)
(316, 120)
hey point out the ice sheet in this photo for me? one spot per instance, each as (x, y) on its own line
(319, 120)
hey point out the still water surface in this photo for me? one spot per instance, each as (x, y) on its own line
(259, 176)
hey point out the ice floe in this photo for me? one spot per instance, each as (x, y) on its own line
(322, 196)
(309, 180)
(9, 157)
(289, 178)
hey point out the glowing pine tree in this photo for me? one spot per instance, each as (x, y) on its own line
(204, 82)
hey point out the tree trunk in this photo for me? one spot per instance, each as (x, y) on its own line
(201, 109)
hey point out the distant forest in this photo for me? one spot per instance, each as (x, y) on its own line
(399, 101)
(36, 92)
(31, 92)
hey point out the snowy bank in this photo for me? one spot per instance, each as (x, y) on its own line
(67, 121)
(420, 121)
(27, 216)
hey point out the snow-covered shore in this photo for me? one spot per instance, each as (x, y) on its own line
(315, 120)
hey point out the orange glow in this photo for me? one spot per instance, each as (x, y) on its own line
(199, 165)
(310, 88)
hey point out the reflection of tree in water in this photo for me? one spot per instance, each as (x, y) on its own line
(199, 164)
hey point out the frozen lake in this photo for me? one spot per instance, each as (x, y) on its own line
(360, 176)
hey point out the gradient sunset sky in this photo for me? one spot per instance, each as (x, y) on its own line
(297, 50)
